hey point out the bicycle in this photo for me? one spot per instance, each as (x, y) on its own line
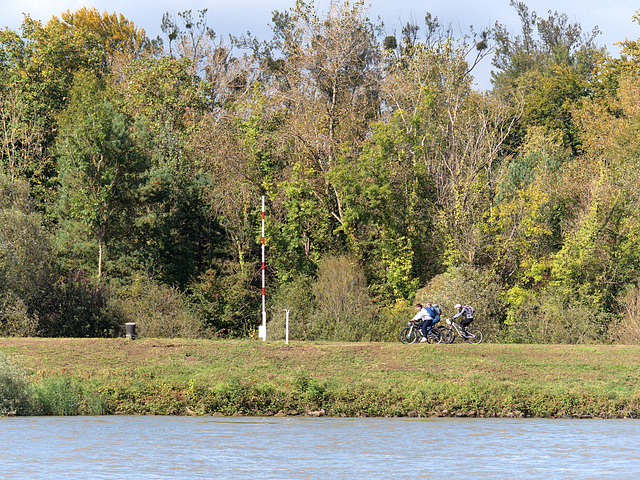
(471, 335)
(413, 333)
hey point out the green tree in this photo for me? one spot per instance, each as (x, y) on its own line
(550, 104)
(100, 164)
(174, 235)
(175, 228)
(610, 71)
(326, 85)
(163, 91)
(21, 135)
(447, 135)
(598, 260)
(389, 214)
(37, 67)
(544, 44)
(548, 67)
(26, 267)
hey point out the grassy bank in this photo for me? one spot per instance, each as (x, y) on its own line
(229, 377)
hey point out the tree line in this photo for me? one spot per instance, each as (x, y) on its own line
(131, 173)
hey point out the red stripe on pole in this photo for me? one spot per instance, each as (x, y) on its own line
(262, 290)
(263, 215)
(263, 265)
(263, 240)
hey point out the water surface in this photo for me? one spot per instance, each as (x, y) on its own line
(153, 447)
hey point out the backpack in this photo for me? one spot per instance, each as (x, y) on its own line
(470, 310)
(437, 309)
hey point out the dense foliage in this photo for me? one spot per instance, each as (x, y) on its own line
(132, 171)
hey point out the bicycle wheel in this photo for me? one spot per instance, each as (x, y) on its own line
(435, 336)
(443, 332)
(474, 336)
(447, 335)
(412, 335)
(402, 336)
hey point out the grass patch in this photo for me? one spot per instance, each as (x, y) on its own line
(248, 377)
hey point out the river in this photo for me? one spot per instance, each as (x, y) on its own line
(154, 447)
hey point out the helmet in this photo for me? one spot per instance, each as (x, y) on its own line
(457, 305)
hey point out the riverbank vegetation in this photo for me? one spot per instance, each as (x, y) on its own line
(249, 377)
(132, 171)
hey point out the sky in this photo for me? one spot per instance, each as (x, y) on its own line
(613, 17)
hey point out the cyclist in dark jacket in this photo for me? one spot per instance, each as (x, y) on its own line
(467, 313)
(436, 312)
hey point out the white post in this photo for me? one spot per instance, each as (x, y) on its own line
(263, 332)
(286, 337)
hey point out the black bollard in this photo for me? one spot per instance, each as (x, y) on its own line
(131, 330)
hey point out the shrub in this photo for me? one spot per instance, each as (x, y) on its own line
(14, 193)
(297, 297)
(392, 319)
(336, 306)
(15, 392)
(345, 310)
(77, 306)
(307, 320)
(63, 396)
(549, 317)
(627, 329)
(25, 260)
(15, 319)
(228, 299)
(24, 254)
(58, 396)
(159, 311)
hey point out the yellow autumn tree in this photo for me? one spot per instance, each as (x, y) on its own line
(113, 32)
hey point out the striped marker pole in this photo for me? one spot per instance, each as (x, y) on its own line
(263, 333)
